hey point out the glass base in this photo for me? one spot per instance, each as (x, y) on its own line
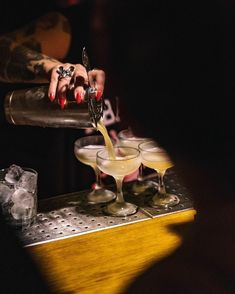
(140, 187)
(120, 209)
(164, 201)
(100, 196)
(21, 224)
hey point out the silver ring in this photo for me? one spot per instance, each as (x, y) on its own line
(64, 73)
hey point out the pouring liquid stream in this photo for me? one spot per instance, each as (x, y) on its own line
(108, 143)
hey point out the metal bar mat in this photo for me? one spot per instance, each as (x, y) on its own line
(70, 214)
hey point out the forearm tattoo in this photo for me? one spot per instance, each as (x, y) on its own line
(16, 64)
(24, 61)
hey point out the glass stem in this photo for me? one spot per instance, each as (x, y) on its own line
(98, 178)
(161, 188)
(119, 198)
(140, 176)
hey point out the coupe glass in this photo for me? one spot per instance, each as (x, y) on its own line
(85, 149)
(157, 158)
(127, 138)
(126, 161)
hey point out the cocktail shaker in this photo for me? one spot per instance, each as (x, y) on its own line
(33, 107)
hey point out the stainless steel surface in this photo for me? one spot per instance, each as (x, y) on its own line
(33, 107)
(70, 215)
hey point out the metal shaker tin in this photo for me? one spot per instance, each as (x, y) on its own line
(33, 107)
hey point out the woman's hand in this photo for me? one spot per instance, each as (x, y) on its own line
(74, 77)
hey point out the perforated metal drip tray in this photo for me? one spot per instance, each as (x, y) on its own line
(70, 214)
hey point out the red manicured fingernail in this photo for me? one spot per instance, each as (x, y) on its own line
(62, 102)
(52, 97)
(98, 95)
(78, 98)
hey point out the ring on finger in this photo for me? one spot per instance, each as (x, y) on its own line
(64, 73)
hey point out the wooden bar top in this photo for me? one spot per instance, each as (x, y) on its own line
(107, 261)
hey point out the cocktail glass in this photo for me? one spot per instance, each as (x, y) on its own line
(126, 161)
(85, 149)
(127, 138)
(157, 158)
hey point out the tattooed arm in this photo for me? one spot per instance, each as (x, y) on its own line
(34, 54)
(28, 54)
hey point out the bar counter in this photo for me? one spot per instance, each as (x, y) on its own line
(79, 249)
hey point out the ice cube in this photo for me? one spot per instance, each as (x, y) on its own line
(13, 173)
(5, 193)
(27, 181)
(22, 198)
(19, 212)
